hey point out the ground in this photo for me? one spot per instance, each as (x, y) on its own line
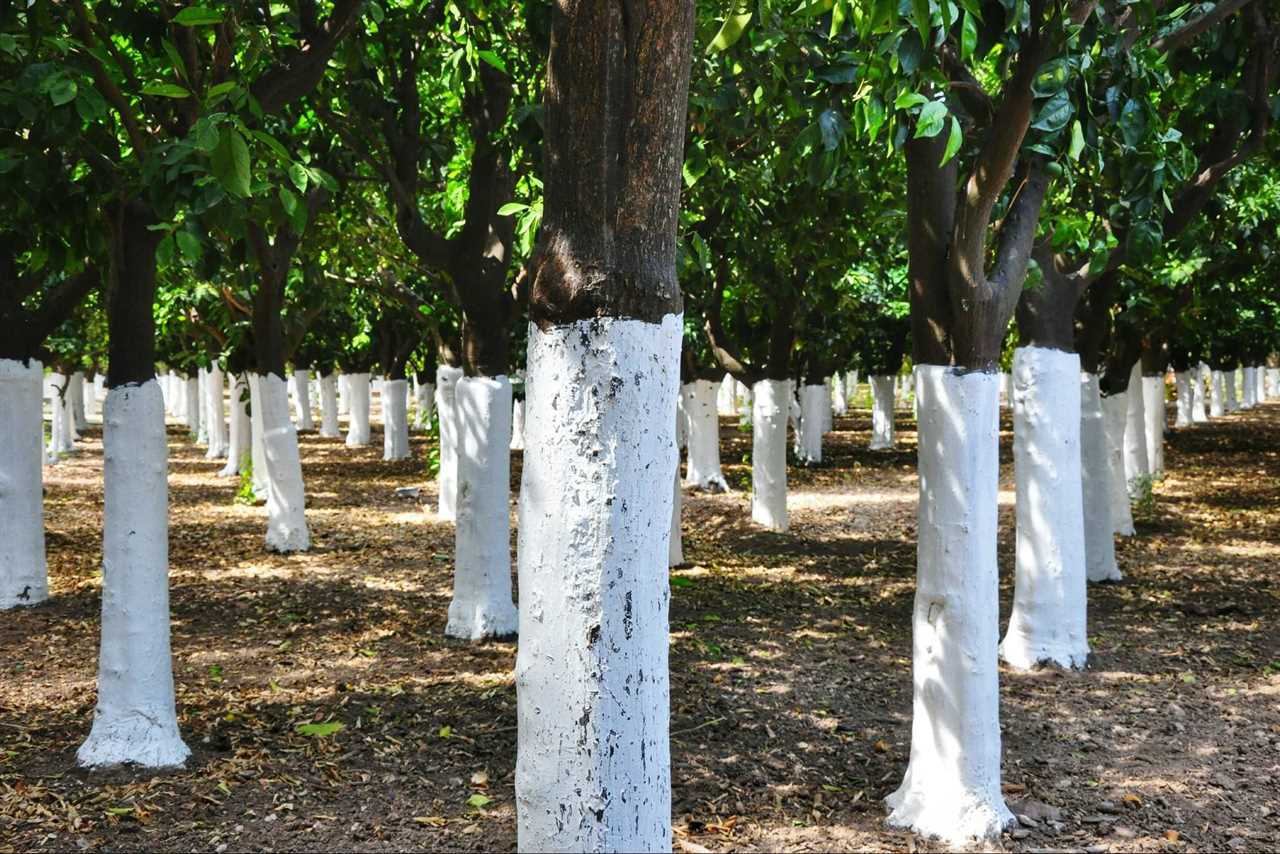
(791, 691)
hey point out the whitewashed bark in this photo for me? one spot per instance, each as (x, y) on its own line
(1199, 376)
(1006, 390)
(76, 400)
(1217, 394)
(424, 404)
(1096, 480)
(745, 399)
(329, 427)
(482, 608)
(828, 411)
(215, 413)
(839, 396)
(60, 441)
(99, 394)
(815, 409)
(358, 404)
(191, 405)
(257, 446)
(1230, 402)
(882, 402)
(1154, 419)
(1115, 412)
(202, 405)
(1273, 377)
(395, 420)
(135, 720)
(1249, 388)
(24, 575)
(703, 437)
(241, 431)
(1048, 623)
(286, 517)
(1185, 401)
(952, 785)
(447, 378)
(726, 396)
(851, 386)
(517, 424)
(1259, 384)
(1136, 462)
(769, 411)
(344, 394)
(593, 769)
(301, 381)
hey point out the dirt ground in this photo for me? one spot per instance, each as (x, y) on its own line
(791, 689)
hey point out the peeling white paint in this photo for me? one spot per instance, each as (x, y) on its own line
(703, 437)
(1115, 413)
(593, 768)
(769, 412)
(358, 403)
(135, 720)
(952, 784)
(24, 575)
(395, 420)
(1048, 621)
(882, 401)
(1096, 483)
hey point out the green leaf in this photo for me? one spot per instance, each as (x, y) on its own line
(272, 143)
(832, 125)
(288, 201)
(953, 141)
(165, 90)
(216, 92)
(839, 11)
(323, 730)
(230, 161)
(968, 35)
(298, 175)
(1055, 113)
(920, 17)
(512, 208)
(493, 59)
(907, 100)
(446, 731)
(189, 245)
(1077, 140)
(932, 117)
(478, 800)
(63, 91)
(174, 60)
(730, 31)
(206, 135)
(196, 16)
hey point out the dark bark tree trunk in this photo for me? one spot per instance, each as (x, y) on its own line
(131, 326)
(1046, 313)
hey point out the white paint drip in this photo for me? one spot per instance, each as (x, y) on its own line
(1136, 464)
(302, 398)
(1115, 413)
(702, 424)
(952, 785)
(1182, 388)
(395, 420)
(329, 428)
(815, 410)
(771, 400)
(135, 720)
(447, 378)
(286, 518)
(358, 404)
(24, 575)
(1048, 623)
(241, 431)
(481, 606)
(593, 769)
(1096, 480)
(882, 401)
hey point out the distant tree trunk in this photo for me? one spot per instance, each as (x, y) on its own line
(593, 768)
(24, 577)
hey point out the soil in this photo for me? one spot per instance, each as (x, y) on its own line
(791, 675)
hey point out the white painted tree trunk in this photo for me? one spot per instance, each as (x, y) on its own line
(24, 575)
(286, 517)
(1217, 394)
(1259, 384)
(329, 427)
(202, 405)
(1273, 376)
(215, 413)
(257, 447)
(1249, 388)
(1154, 419)
(191, 405)
(1185, 402)
(839, 396)
(517, 425)
(593, 770)
(1136, 464)
(1199, 376)
(482, 608)
(447, 378)
(135, 720)
(952, 785)
(99, 394)
(675, 550)
(358, 405)
(1048, 623)
(1096, 479)
(302, 398)
(60, 441)
(815, 409)
(1115, 412)
(1006, 390)
(882, 401)
(726, 396)
(76, 399)
(241, 431)
(424, 404)
(769, 411)
(703, 437)
(746, 404)
(828, 412)
(344, 394)
(395, 420)
(1230, 402)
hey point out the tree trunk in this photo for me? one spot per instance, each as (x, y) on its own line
(769, 411)
(286, 516)
(447, 378)
(359, 401)
(329, 428)
(1153, 410)
(1200, 377)
(1096, 479)
(815, 409)
(1182, 388)
(241, 431)
(302, 398)
(424, 392)
(1137, 472)
(75, 400)
(395, 420)
(135, 720)
(1230, 403)
(1115, 412)
(215, 411)
(703, 436)
(191, 405)
(24, 576)
(882, 403)
(593, 769)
